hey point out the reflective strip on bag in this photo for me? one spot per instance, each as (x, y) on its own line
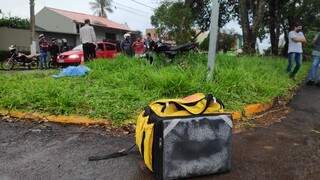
(173, 123)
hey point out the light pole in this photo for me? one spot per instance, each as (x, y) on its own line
(214, 28)
(32, 28)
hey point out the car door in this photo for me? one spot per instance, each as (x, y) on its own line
(111, 50)
(100, 52)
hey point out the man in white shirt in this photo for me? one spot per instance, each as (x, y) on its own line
(88, 40)
(296, 38)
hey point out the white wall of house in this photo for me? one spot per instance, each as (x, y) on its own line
(59, 26)
(101, 34)
(54, 22)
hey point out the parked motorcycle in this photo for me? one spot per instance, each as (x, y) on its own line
(20, 59)
(171, 51)
(168, 50)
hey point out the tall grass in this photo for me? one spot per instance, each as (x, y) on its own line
(119, 89)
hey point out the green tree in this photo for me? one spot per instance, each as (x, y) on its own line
(173, 19)
(15, 22)
(282, 14)
(226, 41)
(101, 7)
(201, 10)
(181, 19)
(251, 14)
(304, 11)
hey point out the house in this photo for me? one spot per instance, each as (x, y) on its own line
(61, 24)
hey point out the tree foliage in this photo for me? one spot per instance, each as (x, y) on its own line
(226, 41)
(251, 13)
(283, 14)
(261, 18)
(173, 19)
(258, 19)
(101, 7)
(184, 20)
(15, 22)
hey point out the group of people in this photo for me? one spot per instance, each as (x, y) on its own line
(139, 47)
(128, 46)
(295, 54)
(50, 49)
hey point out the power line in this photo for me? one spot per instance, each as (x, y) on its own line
(131, 8)
(137, 2)
(130, 11)
(142, 4)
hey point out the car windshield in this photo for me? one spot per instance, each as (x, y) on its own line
(78, 48)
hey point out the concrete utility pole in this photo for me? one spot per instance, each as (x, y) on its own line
(214, 30)
(32, 28)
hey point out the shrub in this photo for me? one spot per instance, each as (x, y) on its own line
(14, 22)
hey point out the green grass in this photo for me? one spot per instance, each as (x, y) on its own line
(120, 89)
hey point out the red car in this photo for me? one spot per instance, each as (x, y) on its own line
(104, 50)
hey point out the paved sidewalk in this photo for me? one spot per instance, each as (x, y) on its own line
(286, 150)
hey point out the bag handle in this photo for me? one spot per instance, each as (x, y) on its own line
(209, 98)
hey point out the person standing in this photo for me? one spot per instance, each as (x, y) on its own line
(138, 47)
(126, 45)
(316, 61)
(88, 40)
(92, 51)
(44, 48)
(64, 46)
(54, 51)
(296, 38)
(150, 45)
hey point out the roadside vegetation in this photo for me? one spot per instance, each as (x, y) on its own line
(120, 89)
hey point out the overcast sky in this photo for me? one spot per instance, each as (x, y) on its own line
(131, 12)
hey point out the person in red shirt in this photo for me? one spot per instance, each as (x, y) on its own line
(138, 47)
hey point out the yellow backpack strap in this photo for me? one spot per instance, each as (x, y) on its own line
(193, 107)
(189, 99)
(199, 108)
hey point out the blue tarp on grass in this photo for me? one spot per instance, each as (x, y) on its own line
(73, 71)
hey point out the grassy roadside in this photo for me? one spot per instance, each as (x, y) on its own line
(119, 89)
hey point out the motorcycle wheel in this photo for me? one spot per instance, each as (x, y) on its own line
(51, 65)
(34, 65)
(8, 65)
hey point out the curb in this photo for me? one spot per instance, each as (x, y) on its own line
(249, 111)
(72, 119)
(254, 109)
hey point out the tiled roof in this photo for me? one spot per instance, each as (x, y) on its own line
(94, 20)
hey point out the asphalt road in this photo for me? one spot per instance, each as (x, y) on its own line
(286, 150)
